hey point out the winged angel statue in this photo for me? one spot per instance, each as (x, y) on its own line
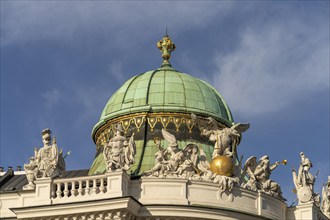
(120, 151)
(259, 176)
(226, 139)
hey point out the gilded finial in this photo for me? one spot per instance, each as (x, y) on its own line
(166, 47)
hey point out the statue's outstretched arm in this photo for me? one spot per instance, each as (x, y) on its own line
(274, 165)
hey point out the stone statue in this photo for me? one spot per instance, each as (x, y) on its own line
(47, 157)
(259, 176)
(226, 139)
(120, 151)
(165, 166)
(31, 170)
(190, 163)
(304, 181)
(159, 155)
(325, 204)
(47, 161)
(204, 167)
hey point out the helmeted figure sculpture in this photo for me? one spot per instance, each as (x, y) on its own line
(304, 181)
(120, 151)
(48, 161)
(167, 165)
(325, 204)
(259, 176)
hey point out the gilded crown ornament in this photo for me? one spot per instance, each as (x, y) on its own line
(166, 47)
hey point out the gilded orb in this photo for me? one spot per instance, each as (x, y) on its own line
(222, 165)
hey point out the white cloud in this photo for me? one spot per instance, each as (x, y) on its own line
(121, 21)
(274, 65)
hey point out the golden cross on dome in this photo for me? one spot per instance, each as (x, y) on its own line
(166, 47)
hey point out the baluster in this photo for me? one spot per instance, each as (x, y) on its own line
(80, 189)
(87, 187)
(53, 191)
(58, 191)
(73, 189)
(94, 187)
(102, 186)
(66, 191)
(108, 184)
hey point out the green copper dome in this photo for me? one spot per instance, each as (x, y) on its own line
(149, 103)
(166, 90)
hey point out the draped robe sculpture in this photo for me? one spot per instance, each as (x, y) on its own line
(48, 161)
(119, 152)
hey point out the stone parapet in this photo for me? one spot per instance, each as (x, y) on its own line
(305, 211)
(115, 194)
(205, 194)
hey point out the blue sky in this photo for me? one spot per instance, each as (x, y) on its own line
(61, 62)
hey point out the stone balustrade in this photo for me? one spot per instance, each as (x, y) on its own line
(78, 187)
(107, 185)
